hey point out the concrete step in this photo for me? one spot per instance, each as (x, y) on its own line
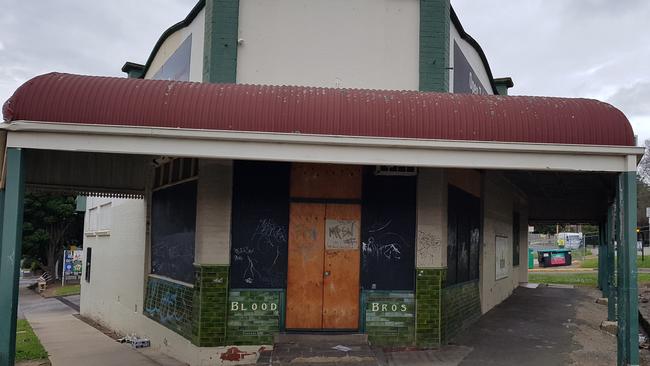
(318, 349)
(343, 339)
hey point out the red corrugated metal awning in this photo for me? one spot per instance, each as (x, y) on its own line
(97, 100)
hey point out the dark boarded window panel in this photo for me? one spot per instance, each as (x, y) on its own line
(173, 225)
(462, 270)
(260, 225)
(388, 232)
(515, 238)
(463, 236)
(475, 238)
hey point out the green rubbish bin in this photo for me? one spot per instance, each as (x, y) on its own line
(531, 258)
(554, 257)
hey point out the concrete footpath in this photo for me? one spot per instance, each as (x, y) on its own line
(535, 326)
(71, 342)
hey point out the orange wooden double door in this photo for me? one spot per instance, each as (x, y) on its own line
(324, 242)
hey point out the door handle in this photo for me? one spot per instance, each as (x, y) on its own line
(326, 274)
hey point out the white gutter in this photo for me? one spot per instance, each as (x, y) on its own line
(317, 148)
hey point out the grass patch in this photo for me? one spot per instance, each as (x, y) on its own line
(593, 262)
(643, 264)
(28, 347)
(580, 252)
(589, 263)
(68, 290)
(577, 279)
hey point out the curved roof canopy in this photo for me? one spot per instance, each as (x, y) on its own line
(94, 100)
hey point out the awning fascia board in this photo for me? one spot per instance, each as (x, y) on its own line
(318, 148)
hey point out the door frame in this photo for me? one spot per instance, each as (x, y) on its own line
(360, 324)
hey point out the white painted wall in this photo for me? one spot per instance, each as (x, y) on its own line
(370, 44)
(197, 30)
(213, 207)
(431, 241)
(115, 292)
(500, 200)
(472, 56)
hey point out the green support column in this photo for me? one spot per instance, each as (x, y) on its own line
(611, 264)
(628, 316)
(434, 45)
(601, 258)
(10, 253)
(618, 235)
(220, 41)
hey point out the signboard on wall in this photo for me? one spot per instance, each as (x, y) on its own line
(501, 257)
(177, 66)
(465, 79)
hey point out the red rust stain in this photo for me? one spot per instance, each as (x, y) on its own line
(234, 354)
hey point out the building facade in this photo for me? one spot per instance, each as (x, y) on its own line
(222, 254)
(397, 253)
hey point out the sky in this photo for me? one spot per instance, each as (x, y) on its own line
(572, 48)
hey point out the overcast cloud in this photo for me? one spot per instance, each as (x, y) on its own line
(575, 48)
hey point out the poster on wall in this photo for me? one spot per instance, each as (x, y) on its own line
(465, 79)
(502, 265)
(72, 263)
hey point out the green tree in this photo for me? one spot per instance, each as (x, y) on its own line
(550, 228)
(643, 201)
(590, 229)
(642, 188)
(50, 222)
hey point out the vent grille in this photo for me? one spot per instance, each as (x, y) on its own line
(395, 170)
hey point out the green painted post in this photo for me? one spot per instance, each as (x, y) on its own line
(601, 259)
(220, 41)
(362, 311)
(603, 256)
(611, 264)
(283, 310)
(435, 21)
(628, 323)
(10, 253)
(620, 273)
